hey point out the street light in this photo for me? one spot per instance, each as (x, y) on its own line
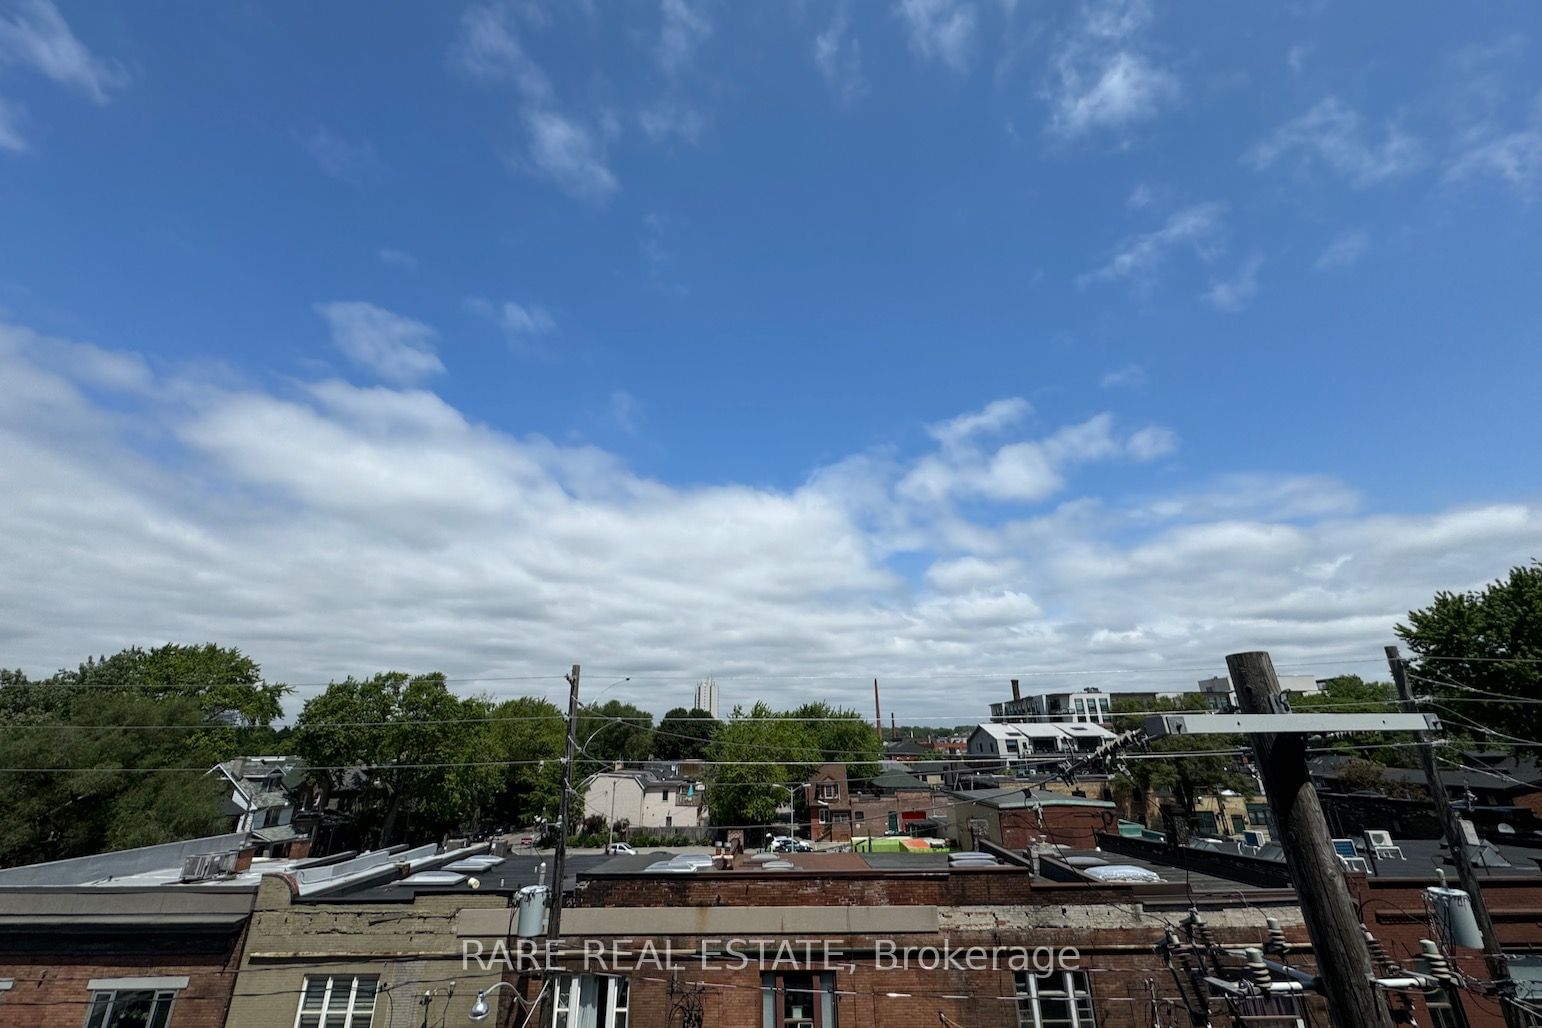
(480, 1007)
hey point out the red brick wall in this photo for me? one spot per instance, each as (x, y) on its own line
(50, 992)
(1394, 913)
(1118, 963)
(827, 888)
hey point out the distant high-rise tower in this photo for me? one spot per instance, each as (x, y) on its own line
(706, 696)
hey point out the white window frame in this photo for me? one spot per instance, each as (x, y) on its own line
(349, 1011)
(1074, 985)
(568, 997)
(168, 995)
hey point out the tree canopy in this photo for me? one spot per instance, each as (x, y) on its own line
(93, 787)
(1476, 650)
(685, 734)
(758, 756)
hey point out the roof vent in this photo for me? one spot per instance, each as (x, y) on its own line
(202, 867)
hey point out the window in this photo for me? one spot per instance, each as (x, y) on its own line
(859, 816)
(131, 1008)
(1239, 824)
(824, 815)
(337, 1001)
(798, 1000)
(1258, 815)
(829, 790)
(666, 795)
(1441, 1013)
(132, 1002)
(591, 1001)
(1059, 999)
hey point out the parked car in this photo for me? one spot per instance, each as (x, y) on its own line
(619, 849)
(790, 844)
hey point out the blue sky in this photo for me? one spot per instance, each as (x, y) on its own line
(927, 338)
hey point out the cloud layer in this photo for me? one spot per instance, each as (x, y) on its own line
(330, 528)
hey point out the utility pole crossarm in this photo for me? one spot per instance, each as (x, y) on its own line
(1161, 725)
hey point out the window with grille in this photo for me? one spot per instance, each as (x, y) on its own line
(798, 1000)
(1059, 999)
(130, 1008)
(591, 1001)
(337, 1001)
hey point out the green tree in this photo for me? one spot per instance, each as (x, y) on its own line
(754, 761)
(412, 739)
(685, 734)
(842, 736)
(1488, 640)
(95, 733)
(612, 731)
(527, 728)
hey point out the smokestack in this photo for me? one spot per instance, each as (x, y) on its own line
(877, 712)
(893, 728)
(1017, 693)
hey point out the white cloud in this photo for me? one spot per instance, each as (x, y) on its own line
(34, 35)
(523, 324)
(941, 31)
(684, 28)
(395, 349)
(1131, 376)
(1152, 443)
(625, 411)
(1100, 77)
(1343, 250)
(1234, 294)
(672, 119)
(1139, 197)
(1119, 90)
(571, 154)
(567, 149)
(1331, 134)
(1513, 157)
(994, 417)
(10, 126)
(398, 258)
(488, 50)
(838, 55)
(1022, 471)
(345, 159)
(333, 529)
(1139, 259)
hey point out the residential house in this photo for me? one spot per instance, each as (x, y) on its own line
(894, 802)
(644, 800)
(1020, 743)
(260, 800)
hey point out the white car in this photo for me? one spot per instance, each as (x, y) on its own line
(619, 849)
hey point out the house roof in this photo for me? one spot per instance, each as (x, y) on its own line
(1019, 797)
(1002, 731)
(897, 780)
(1519, 774)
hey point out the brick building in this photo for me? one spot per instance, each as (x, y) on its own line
(891, 803)
(848, 939)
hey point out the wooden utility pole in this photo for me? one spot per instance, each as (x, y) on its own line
(554, 910)
(1343, 962)
(1466, 876)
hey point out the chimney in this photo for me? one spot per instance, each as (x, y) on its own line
(1017, 693)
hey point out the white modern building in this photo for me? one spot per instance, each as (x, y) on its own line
(1218, 694)
(1029, 741)
(643, 800)
(1088, 705)
(706, 696)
